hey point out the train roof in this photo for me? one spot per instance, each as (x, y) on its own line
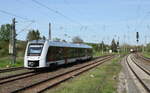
(37, 41)
(62, 44)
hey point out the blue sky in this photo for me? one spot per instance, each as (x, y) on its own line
(92, 20)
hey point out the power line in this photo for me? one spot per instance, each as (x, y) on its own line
(23, 18)
(42, 12)
(55, 11)
(25, 28)
(140, 22)
(14, 15)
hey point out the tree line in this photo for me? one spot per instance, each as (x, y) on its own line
(5, 33)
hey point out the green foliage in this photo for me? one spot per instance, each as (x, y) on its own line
(113, 46)
(33, 35)
(4, 48)
(99, 47)
(5, 31)
(6, 61)
(77, 39)
(44, 38)
(148, 47)
(97, 54)
(146, 54)
(56, 39)
(5, 34)
(21, 46)
(98, 80)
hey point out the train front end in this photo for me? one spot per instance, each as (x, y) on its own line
(34, 57)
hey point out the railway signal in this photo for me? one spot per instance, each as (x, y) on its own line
(137, 37)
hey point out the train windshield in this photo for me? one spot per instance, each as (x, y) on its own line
(35, 50)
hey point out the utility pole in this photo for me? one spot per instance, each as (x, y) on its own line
(49, 31)
(13, 41)
(145, 43)
(104, 28)
(124, 43)
(118, 48)
(102, 47)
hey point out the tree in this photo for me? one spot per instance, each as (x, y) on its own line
(148, 47)
(117, 43)
(77, 39)
(5, 31)
(56, 39)
(37, 34)
(33, 35)
(64, 41)
(44, 38)
(113, 46)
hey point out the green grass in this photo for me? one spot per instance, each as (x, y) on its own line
(98, 80)
(146, 54)
(6, 62)
(96, 54)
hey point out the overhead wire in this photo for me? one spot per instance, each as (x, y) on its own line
(82, 28)
(25, 28)
(56, 11)
(138, 23)
(60, 13)
(11, 14)
(23, 18)
(42, 12)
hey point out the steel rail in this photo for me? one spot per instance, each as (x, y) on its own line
(141, 67)
(11, 78)
(90, 65)
(139, 79)
(11, 69)
(17, 77)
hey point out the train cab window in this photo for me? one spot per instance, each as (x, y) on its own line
(35, 50)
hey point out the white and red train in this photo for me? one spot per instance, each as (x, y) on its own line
(41, 54)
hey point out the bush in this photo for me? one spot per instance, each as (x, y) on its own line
(3, 52)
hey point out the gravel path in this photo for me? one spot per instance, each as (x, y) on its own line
(128, 79)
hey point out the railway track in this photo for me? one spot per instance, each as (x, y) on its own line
(43, 85)
(11, 69)
(142, 57)
(21, 68)
(140, 73)
(16, 77)
(141, 67)
(26, 74)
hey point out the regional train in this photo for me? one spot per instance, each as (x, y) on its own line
(45, 53)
